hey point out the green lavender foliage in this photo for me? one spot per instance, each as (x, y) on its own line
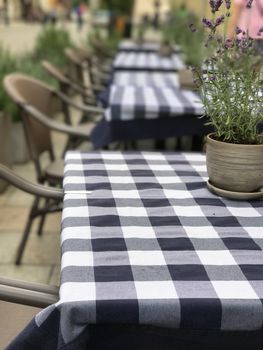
(177, 31)
(230, 83)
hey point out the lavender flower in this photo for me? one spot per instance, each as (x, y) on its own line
(219, 20)
(260, 31)
(228, 4)
(215, 5)
(207, 23)
(249, 4)
(238, 30)
(213, 78)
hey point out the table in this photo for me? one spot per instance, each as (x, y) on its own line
(129, 46)
(145, 243)
(141, 79)
(148, 113)
(147, 62)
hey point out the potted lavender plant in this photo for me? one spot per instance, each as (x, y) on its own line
(230, 84)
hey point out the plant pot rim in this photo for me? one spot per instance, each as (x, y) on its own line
(210, 137)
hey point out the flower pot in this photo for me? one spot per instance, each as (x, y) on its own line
(20, 147)
(166, 50)
(6, 154)
(234, 167)
(186, 79)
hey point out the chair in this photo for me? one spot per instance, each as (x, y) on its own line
(29, 296)
(67, 84)
(85, 72)
(35, 101)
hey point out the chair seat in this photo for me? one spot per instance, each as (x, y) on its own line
(55, 170)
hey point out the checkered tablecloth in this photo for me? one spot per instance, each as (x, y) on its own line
(147, 62)
(131, 102)
(141, 79)
(130, 46)
(151, 245)
(144, 242)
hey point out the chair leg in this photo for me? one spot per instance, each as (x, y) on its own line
(24, 239)
(43, 218)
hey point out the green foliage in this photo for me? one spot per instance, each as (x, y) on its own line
(177, 31)
(121, 7)
(230, 85)
(108, 44)
(50, 45)
(7, 66)
(27, 64)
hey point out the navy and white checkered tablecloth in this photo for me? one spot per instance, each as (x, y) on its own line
(147, 62)
(141, 79)
(144, 242)
(130, 46)
(151, 245)
(131, 102)
(136, 113)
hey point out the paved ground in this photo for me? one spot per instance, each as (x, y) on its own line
(20, 37)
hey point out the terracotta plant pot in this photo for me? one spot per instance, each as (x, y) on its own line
(186, 79)
(232, 167)
(166, 50)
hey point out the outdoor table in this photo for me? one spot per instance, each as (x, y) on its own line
(145, 243)
(131, 46)
(158, 79)
(147, 62)
(135, 113)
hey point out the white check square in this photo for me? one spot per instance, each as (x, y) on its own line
(254, 232)
(161, 167)
(168, 179)
(129, 194)
(234, 290)
(155, 290)
(121, 180)
(177, 194)
(191, 211)
(77, 291)
(118, 167)
(113, 156)
(201, 232)
(244, 212)
(77, 259)
(75, 212)
(149, 258)
(138, 232)
(216, 257)
(76, 232)
(132, 211)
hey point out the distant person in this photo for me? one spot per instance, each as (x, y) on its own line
(5, 8)
(51, 12)
(156, 17)
(26, 6)
(247, 19)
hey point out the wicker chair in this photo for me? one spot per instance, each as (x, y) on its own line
(85, 71)
(20, 300)
(34, 100)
